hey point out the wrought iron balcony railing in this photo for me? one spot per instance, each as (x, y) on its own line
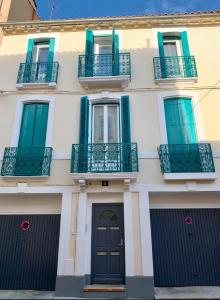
(26, 161)
(104, 65)
(174, 67)
(104, 158)
(189, 158)
(41, 73)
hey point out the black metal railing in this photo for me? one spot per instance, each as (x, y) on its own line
(38, 72)
(189, 158)
(27, 161)
(174, 67)
(104, 158)
(104, 65)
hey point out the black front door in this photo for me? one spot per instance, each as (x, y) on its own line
(108, 265)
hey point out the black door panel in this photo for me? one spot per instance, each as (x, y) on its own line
(108, 244)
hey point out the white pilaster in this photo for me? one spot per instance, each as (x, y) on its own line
(129, 236)
(65, 263)
(81, 235)
(145, 228)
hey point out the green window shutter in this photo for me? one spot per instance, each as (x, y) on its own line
(40, 126)
(27, 126)
(83, 135)
(160, 43)
(50, 60)
(185, 44)
(51, 50)
(186, 54)
(30, 50)
(126, 134)
(31, 146)
(34, 125)
(89, 53)
(162, 54)
(180, 121)
(115, 53)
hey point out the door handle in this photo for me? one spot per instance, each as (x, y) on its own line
(121, 243)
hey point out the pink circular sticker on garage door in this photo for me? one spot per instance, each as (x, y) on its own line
(25, 225)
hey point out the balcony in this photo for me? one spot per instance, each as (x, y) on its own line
(37, 75)
(104, 161)
(104, 70)
(190, 161)
(34, 161)
(175, 68)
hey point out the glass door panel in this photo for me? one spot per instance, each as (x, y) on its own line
(106, 133)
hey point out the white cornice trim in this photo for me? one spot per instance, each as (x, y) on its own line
(117, 22)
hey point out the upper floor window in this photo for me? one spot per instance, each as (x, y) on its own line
(105, 123)
(41, 52)
(39, 66)
(174, 59)
(172, 46)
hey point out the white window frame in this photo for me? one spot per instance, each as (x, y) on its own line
(19, 112)
(177, 44)
(173, 30)
(196, 110)
(43, 36)
(106, 105)
(36, 53)
(104, 97)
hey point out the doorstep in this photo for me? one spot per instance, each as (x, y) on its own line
(104, 288)
(190, 292)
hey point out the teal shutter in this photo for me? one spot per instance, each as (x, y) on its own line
(83, 135)
(181, 134)
(29, 51)
(89, 53)
(126, 134)
(115, 54)
(186, 54)
(29, 56)
(160, 44)
(50, 60)
(51, 50)
(185, 44)
(180, 121)
(32, 138)
(162, 55)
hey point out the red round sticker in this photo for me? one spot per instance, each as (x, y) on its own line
(188, 220)
(25, 225)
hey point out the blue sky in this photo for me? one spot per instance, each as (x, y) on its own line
(70, 9)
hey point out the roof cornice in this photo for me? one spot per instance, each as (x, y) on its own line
(197, 19)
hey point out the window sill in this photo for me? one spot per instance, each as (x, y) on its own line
(51, 85)
(107, 81)
(167, 81)
(190, 176)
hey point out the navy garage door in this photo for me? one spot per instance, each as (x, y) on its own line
(28, 251)
(186, 247)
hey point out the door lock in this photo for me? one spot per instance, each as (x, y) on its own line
(121, 243)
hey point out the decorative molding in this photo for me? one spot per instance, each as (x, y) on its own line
(174, 20)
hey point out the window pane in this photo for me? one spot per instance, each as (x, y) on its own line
(170, 49)
(98, 127)
(43, 54)
(112, 124)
